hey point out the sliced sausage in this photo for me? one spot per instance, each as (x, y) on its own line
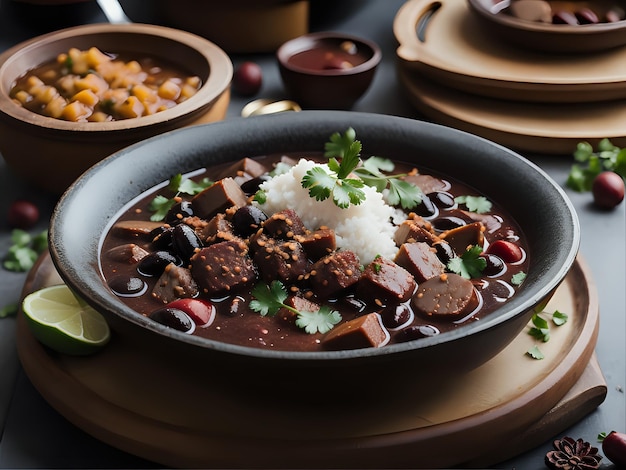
(420, 259)
(448, 296)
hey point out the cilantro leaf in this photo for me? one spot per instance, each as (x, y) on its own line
(541, 329)
(346, 192)
(319, 183)
(590, 163)
(268, 300)
(25, 249)
(321, 321)
(535, 353)
(404, 194)
(559, 318)
(470, 264)
(518, 278)
(478, 204)
(161, 205)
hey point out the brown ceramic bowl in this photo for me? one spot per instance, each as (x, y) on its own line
(51, 153)
(83, 216)
(328, 70)
(497, 17)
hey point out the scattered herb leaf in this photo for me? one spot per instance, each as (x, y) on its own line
(9, 310)
(470, 264)
(602, 436)
(535, 353)
(25, 250)
(590, 164)
(161, 205)
(478, 204)
(518, 278)
(348, 173)
(268, 300)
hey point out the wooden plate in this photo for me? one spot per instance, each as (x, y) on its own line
(444, 41)
(527, 127)
(144, 403)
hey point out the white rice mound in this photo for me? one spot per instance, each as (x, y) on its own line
(365, 229)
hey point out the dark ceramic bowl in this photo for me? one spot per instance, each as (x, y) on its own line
(91, 204)
(51, 153)
(327, 70)
(556, 38)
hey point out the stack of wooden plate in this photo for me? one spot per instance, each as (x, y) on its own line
(460, 75)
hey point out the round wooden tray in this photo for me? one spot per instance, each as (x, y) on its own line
(144, 403)
(529, 127)
(453, 48)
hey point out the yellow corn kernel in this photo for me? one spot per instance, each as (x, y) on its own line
(99, 116)
(76, 112)
(144, 94)
(129, 108)
(187, 92)
(133, 67)
(32, 82)
(194, 81)
(62, 58)
(87, 97)
(55, 107)
(79, 62)
(92, 82)
(95, 57)
(23, 97)
(169, 90)
(45, 94)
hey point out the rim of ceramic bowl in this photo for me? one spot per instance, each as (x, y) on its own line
(219, 66)
(304, 43)
(77, 259)
(539, 27)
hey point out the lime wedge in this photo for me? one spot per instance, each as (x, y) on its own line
(64, 322)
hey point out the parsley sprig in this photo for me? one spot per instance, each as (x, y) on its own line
(470, 264)
(161, 205)
(348, 174)
(25, 250)
(590, 163)
(269, 299)
(541, 329)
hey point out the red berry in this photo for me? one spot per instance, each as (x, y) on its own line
(614, 447)
(247, 79)
(202, 312)
(608, 190)
(508, 251)
(23, 215)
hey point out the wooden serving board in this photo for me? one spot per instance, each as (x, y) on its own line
(453, 48)
(151, 406)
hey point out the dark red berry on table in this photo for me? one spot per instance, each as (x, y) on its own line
(247, 79)
(23, 214)
(614, 448)
(508, 251)
(608, 189)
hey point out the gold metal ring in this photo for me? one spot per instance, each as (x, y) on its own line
(267, 106)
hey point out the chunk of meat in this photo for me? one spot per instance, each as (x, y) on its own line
(140, 229)
(413, 230)
(176, 282)
(218, 229)
(334, 273)
(301, 304)
(285, 224)
(243, 170)
(283, 260)
(223, 267)
(445, 297)
(218, 197)
(461, 238)
(318, 243)
(127, 253)
(362, 332)
(420, 259)
(384, 281)
(427, 183)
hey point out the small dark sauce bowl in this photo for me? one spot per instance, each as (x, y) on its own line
(328, 70)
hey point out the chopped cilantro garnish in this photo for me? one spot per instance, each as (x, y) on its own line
(590, 163)
(8, 310)
(268, 300)
(25, 250)
(348, 173)
(478, 204)
(518, 278)
(541, 329)
(535, 353)
(161, 205)
(470, 264)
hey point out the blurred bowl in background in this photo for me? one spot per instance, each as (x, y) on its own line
(51, 153)
(328, 70)
(570, 26)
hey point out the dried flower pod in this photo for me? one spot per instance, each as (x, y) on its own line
(570, 454)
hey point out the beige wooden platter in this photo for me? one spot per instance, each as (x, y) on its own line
(150, 405)
(453, 49)
(523, 126)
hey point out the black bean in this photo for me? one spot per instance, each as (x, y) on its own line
(174, 318)
(251, 186)
(247, 220)
(426, 208)
(185, 241)
(394, 317)
(442, 199)
(448, 223)
(178, 212)
(162, 238)
(418, 332)
(444, 252)
(495, 265)
(127, 286)
(154, 264)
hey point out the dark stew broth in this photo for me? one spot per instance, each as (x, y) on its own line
(149, 265)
